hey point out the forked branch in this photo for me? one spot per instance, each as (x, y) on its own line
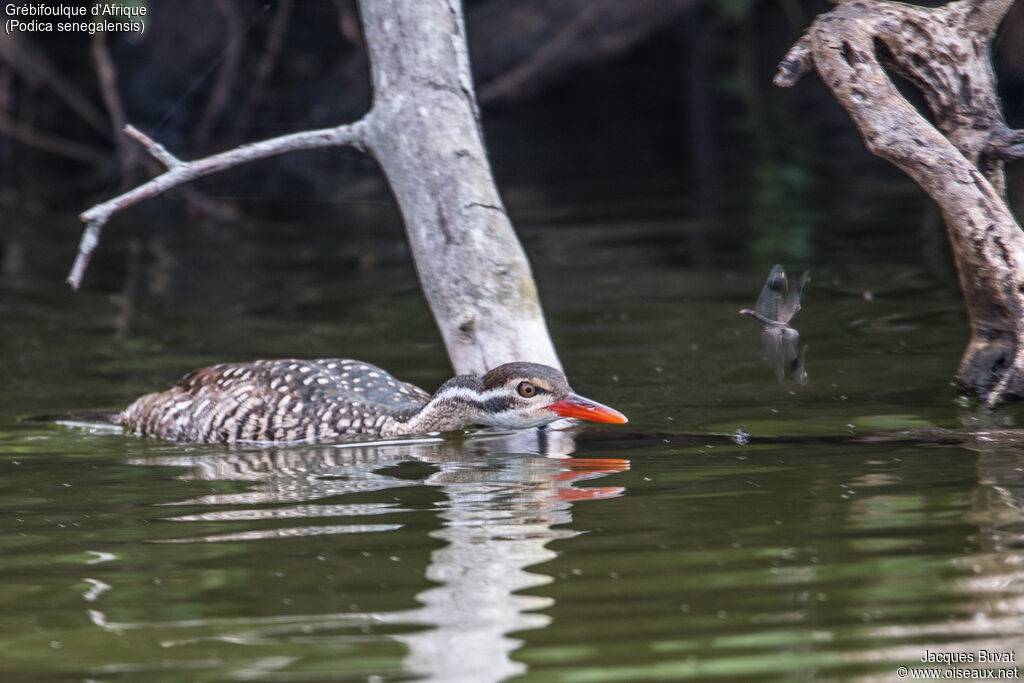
(179, 172)
(424, 131)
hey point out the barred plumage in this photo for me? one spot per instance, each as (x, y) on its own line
(318, 400)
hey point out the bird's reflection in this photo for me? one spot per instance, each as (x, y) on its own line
(504, 496)
(775, 307)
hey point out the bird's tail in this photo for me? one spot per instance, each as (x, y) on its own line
(79, 416)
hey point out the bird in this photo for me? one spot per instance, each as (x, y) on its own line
(306, 401)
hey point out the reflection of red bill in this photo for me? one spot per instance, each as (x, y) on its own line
(599, 464)
(591, 493)
(591, 468)
(580, 469)
(581, 408)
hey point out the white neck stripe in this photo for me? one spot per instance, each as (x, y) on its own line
(471, 395)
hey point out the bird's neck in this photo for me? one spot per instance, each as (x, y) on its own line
(459, 403)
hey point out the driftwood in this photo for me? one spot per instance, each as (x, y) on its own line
(424, 130)
(945, 53)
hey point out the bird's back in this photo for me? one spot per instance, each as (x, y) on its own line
(277, 400)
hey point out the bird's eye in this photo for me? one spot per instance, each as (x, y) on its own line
(526, 390)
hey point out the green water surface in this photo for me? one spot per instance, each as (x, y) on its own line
(657, 550)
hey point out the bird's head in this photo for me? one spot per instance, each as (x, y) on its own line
(521, 395)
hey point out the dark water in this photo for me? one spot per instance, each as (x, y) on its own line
(657, 550)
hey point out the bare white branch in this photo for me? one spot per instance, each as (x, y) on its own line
(180, 172)
(424, 131)
(154, 148)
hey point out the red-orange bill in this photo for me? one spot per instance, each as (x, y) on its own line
(581, 408)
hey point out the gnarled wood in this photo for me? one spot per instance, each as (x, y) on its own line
(958, 161)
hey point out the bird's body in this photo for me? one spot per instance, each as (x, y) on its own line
(319, 400)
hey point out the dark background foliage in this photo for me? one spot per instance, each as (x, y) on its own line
(654, 99)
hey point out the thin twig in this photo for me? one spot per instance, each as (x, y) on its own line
(33, 137)
(272, 50)
(234, 46)
(551, 51)
(21, 55)
(106, 72)
(154, 148)
(276, 35)
(566, 35)
(107, 75)
(179, 172)
(6, 78)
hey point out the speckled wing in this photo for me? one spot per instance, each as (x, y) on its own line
(277, 400)
(369, 385)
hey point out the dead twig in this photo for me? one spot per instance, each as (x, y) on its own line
(424, 131)
(551, 38)
(234, 46)
(54, 144)
(271, 51)
(35, 68)
(155, 149)
(106, 72)
(179, 172)
(257, 89)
